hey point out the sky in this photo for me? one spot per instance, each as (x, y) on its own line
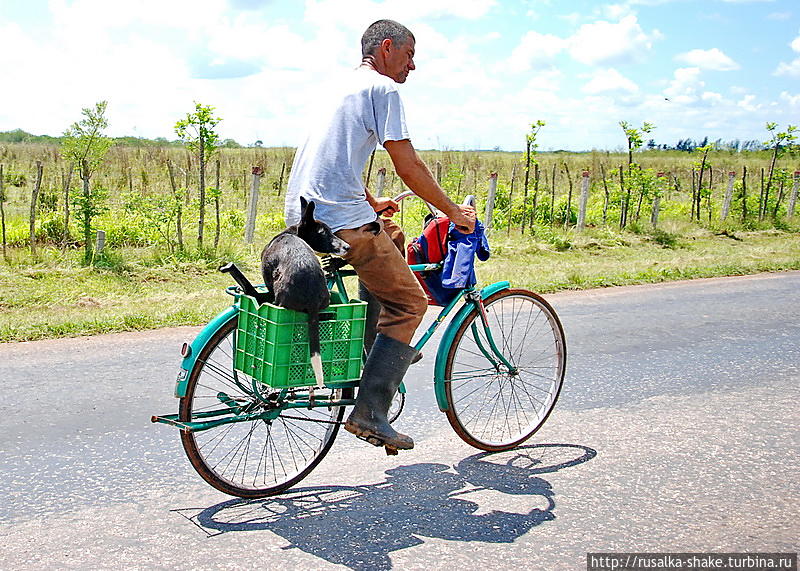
(486, 69)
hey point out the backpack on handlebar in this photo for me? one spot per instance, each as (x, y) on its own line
(431, 248)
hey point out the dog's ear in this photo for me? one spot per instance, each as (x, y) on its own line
(307, 214)
(374, 227)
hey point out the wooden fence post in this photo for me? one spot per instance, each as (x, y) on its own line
(2, 208)
(101, 241)
(252, 205)
(66, 183)
(511, 198)
(656, 205)
(369, 170)
(535, 194)
(179, 207)
(381, 181)
(280, 179)
(744, 194)
(217, 193)
(792, 198)
(583, 200)
(623, 205)
(726, 203)
(487, 224)
(438, 172)
(34, 199)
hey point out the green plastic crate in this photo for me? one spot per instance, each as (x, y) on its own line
(272, 343)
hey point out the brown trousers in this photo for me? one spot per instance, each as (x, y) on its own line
(383, 270)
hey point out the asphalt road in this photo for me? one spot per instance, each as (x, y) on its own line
(677, 430)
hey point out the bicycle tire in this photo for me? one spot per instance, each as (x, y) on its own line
(251, 459)
(489, 407)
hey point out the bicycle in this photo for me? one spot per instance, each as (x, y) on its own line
(498, 372)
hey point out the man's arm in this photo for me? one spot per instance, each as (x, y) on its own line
(418, 178)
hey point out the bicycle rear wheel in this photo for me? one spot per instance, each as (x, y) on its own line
(494, 407)
(255, 458)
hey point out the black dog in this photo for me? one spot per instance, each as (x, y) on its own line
(294, 276)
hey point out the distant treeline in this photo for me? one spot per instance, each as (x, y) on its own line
(20, 136)
(686, 145)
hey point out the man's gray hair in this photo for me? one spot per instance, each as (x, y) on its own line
(382, 30)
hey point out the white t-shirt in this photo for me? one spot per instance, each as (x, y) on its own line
(328, 165)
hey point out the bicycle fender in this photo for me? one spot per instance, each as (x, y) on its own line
(197, 345)
(447, 340)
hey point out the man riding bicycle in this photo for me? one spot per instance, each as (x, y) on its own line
(327, 169)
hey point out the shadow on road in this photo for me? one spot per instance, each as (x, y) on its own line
(359, 526)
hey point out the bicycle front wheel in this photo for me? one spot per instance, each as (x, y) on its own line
(495, 405)
(254, 458)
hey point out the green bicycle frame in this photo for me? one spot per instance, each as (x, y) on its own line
(492, 352)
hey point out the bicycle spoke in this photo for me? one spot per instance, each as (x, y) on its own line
(252, 458)
(493, 408)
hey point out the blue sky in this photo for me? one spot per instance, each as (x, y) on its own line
(486, 69)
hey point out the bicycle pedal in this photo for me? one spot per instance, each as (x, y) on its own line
(390, 451)
(374, 440)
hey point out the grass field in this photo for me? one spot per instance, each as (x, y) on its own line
(144, 279)
(57, 297)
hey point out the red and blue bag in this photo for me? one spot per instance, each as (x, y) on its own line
(431, 248)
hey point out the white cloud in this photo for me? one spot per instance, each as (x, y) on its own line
(357, 14)
(713, 59)
(748, 103)
(685, 85)
(609, 81)
(466, 9)
(534, 51)
(791, 69)
(605, 42)
(615, 11)
(263, 70)
(598, 43)
(712, 97)
(791, 100)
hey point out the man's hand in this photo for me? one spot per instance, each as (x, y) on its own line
(464, 219)
(385, 206)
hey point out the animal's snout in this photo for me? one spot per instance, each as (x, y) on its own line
(342, 247)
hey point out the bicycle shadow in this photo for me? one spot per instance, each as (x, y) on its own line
(360, 526)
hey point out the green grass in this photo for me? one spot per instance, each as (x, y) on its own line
(53, 296)
(607, 258)
(57, 298)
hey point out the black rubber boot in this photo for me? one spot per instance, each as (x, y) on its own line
(371, 325)
(383, 372)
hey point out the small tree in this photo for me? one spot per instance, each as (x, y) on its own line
(699, 193)
(86, 146)
(635, 139)
(780, 143)
(197, 131)
(530, 158)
